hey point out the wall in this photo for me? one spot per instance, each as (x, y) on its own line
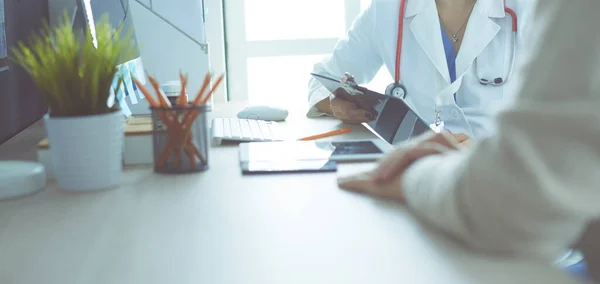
(215, 35)
(165, 50)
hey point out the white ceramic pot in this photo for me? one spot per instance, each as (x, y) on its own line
(87, 151)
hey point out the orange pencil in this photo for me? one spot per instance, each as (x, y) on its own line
(164, 102)
(210, 93)
(169, 119)
(190, 118)
(190, 153)
(205, 84)
(327, 134)
(183, 97)
(146, 93)
(196, 101)
(150, 99)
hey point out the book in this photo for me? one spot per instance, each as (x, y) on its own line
(137, 148)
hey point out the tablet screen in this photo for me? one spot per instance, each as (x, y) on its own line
(355, 148)
(396, 122)
(305, 150)
(305, 156)
(312, 166)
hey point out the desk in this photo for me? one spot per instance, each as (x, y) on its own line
(221, 227)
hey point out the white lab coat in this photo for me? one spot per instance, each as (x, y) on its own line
(532, 188)
(371, 42)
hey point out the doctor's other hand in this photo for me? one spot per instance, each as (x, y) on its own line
(463, 139)
(344, 110)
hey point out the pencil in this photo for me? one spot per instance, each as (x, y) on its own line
(170, 120)
(327, 134)
(210, 93)
(190, 118)
(205, 84)
(179, 139)
(164, 102)
(146, 93)
(150, 99)
(190, 153)
(183, 98)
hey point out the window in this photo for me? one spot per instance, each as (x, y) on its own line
(272, 46)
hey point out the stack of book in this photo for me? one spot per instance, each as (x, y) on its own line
(137, 145)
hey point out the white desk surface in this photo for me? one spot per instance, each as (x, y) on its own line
(221, 227)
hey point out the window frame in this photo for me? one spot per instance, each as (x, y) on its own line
(238, 49)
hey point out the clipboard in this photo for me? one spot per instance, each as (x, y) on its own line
(394, 121)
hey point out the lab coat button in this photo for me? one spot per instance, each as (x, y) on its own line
(454, 113)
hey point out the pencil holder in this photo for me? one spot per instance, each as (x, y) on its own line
(180, 139)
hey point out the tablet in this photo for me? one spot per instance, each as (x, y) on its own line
(394, 120)
(273, 167)
(307, 156)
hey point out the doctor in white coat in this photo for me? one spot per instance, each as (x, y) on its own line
(532, 188)
(446, 50)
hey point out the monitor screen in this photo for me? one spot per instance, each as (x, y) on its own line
(21, 103)
(119, 15)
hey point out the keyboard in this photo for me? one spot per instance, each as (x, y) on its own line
(245, 130)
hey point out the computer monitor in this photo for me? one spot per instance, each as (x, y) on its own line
(21, 103)
(86, 14)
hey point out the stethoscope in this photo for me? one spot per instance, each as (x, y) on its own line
(398, 90)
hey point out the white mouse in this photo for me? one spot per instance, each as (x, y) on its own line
(262, 112)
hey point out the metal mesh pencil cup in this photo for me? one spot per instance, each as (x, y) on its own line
(180, 139)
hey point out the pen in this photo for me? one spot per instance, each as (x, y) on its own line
(327, 134)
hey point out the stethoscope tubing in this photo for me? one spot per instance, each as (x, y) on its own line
(496, 82)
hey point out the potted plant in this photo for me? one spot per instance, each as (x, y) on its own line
(75, 72)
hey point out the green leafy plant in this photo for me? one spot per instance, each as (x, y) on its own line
(74, 75)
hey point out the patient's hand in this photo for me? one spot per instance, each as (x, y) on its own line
(386, 180)
(365, 183)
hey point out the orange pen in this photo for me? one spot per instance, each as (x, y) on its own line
(327, 134)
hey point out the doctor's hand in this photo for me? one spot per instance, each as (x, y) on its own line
(348, 112)
(385, 180)
(463, 139)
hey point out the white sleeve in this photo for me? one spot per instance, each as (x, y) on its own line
(533, 188)
(356, 53)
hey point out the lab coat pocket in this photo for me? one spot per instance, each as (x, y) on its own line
(492, 66)
(478, 95)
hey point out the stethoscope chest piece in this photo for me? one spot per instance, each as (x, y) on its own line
(396, 90)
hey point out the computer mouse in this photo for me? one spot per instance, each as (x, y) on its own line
(262, 112)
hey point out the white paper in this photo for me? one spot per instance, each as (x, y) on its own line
(3, 44)
(136, 67)
(128, 84)
(125, 108)
(120, 95)
(122, 102)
